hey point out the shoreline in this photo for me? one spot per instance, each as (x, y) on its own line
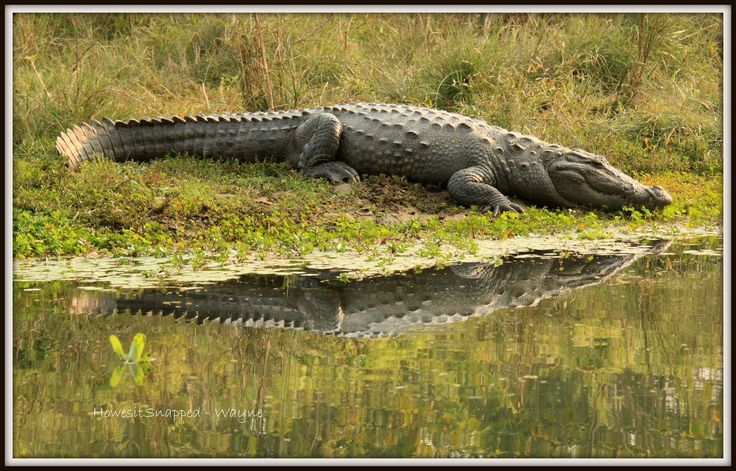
(147, 271)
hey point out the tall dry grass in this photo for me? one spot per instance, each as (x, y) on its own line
(645, 90)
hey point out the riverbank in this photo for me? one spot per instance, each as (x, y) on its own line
(204, 210)
(153, 271)
(643, 90)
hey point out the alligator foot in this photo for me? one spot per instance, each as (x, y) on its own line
(502, 207)
(335, 172)
(317, 141)
(474, 186)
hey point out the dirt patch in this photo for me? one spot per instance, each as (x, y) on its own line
(397, 195)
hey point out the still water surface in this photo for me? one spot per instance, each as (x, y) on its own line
(544, 355)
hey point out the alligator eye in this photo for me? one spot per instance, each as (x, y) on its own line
(578, 156)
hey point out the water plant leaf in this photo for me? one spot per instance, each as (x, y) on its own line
(138, 373)
(136, 348)
(117, 347)
(116, 376)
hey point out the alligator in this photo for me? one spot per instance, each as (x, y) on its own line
(398, 304)
(480, 165)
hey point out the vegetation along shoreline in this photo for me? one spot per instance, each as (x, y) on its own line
(645, 90)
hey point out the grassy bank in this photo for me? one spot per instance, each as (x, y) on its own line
(644, 90)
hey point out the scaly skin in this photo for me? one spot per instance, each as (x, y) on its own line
(373, 307)
(479, 164)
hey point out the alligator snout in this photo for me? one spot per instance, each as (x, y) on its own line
(658, 196)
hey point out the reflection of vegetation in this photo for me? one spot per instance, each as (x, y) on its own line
(135, 361)
(629, 368)
(137, 371)
(135, 353)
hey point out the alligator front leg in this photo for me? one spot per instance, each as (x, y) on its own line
(473, 186)
(317, 140)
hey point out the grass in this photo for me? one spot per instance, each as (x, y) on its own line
(644, 90)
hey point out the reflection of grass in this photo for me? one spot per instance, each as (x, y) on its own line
(641, 89)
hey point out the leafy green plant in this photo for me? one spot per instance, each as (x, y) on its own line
(135, 361)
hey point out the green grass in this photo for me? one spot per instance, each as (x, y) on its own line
(646, 91)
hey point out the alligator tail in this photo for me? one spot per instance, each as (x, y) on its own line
(142, 140)
(75, 144)
(222, 135)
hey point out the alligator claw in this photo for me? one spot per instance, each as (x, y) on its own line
(334, 172)
(344, 178)
(517, 207)
(502, 208)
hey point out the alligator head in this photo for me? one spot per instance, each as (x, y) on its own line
(584, 179)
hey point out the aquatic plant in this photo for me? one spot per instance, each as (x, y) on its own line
(135, 361)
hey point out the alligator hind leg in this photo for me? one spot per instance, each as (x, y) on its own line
(317, 141)
(473, 186)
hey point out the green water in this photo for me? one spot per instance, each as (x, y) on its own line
(629, 367)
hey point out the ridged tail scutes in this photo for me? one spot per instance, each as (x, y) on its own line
(87, 140)
(244, 136)
(143, 139)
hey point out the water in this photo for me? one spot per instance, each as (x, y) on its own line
(545, 355)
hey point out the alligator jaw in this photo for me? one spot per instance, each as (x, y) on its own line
(586, 180)
(659, 197)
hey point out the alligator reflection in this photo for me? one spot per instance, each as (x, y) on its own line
(373, 307)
